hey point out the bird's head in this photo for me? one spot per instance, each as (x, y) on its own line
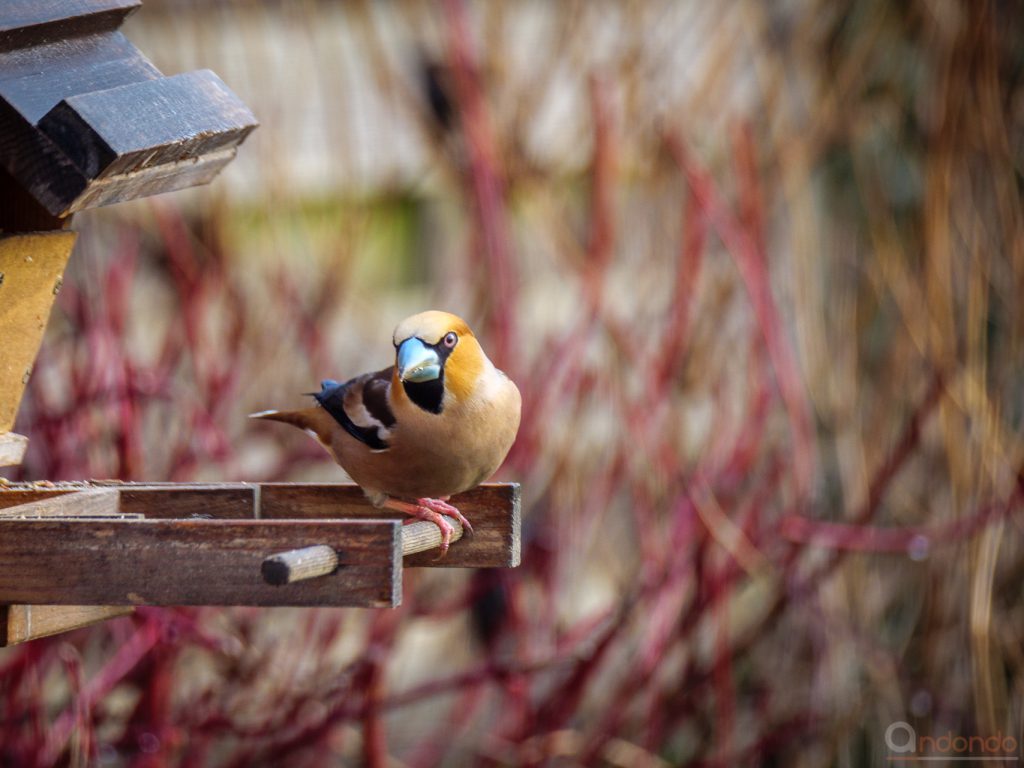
(437, 352)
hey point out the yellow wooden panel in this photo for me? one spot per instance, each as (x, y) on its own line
(31, 268)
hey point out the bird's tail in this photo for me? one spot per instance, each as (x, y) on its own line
(309, 419)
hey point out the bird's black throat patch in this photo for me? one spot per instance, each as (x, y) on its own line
(428, 395)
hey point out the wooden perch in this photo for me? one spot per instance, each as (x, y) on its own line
(423, 536)
(299, 565)
(493, 510)
(320, 560)
(206, 544)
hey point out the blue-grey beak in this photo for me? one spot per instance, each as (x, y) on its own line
(417, 362)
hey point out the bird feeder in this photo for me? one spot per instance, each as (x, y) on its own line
(87, 120)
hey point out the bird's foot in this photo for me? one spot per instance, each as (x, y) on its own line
(424, 512)
(442, 506)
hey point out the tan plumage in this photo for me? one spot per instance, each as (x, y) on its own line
(437, 423)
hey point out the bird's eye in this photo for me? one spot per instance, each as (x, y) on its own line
(450, 339)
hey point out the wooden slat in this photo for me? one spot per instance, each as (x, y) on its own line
(12, 497)
(90, 503)
(181, 500)
(32, 22)
(492, 509)
(35, 80)
(173, 118)
(181, 174)
(12, 448)
(193, 562)
(31, 268)
(20, 623)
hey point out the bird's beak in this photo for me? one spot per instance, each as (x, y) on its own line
(417, 362)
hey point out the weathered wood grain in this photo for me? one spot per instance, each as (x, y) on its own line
(35, 22)
(13, 496)
(193, 562)
(172, 119)
(154, 180)
(91, 503)
(31, 270)
(21, 623)
(493, 510)
(12, 448)
(182, 500)
(35, 80)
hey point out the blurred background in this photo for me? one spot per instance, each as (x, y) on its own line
(758, 271)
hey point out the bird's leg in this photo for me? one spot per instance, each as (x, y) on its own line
(424, 512)
(441, 505)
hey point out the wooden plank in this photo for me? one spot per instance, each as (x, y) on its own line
(493, 509)
(190, 172)
(92, 503)
(183, 500)
(31, 270)
(12, 448)
(20, 623)
(33, 81)
(33, 22)
(147, 124)
(194, 562)
(12, 496)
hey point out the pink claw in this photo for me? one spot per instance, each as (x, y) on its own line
(428, 509)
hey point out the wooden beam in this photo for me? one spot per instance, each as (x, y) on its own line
(224, 501)
(12, 448)
(32, 22)
(493, 509)
(91, 503)
(31, 270)
(21, 623)
(146, 137)
(194, 562)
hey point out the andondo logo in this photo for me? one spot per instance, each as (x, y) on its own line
(906, 746)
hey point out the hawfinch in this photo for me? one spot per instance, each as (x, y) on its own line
(438, 422)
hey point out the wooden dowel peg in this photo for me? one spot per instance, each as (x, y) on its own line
(423, 535)
(299, 564)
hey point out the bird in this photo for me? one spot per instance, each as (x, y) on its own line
(438, 422)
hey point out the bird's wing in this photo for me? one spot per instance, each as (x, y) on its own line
(360, 406)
